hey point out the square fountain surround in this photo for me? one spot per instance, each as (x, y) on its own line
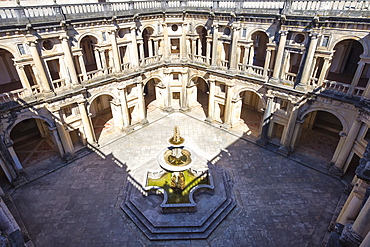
(158, 221)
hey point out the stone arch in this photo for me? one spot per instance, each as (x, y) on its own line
(344, 64)
(148, 43)
(11, 50)
(248, 105)
(92, 98)
(50, 122)
(343, 38)
(250, 34)
(148, 26)
(156, 77)
(9, 78)
(103, 119)
(304, 113)
(96, 37)
(319, 131)
(251, 89)
(34, 141)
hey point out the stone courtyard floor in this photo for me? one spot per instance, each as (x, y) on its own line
(279, 202)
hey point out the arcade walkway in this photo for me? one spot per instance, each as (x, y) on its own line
(279, 202)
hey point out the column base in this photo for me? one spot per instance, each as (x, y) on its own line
(144, 121)
(184, 109)
(349, 237)
(301, 87)
(262, 142)
(336, 171)
(274, 80)
(284, 150)
(168, 109)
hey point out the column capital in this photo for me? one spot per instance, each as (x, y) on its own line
(283, 32)
(64, 37)
(314, 35)
(215, 25)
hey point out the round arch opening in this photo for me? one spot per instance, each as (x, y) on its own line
(149, 48)
(34, 143)
(150, 95)
(202, 95)
(251, 112)
(87, 45)
(319, 137)
(345, 62)
(9, 79)
(102, 118)
(260, 41)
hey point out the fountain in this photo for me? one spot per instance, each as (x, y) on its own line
(179, 181)
(159, 196)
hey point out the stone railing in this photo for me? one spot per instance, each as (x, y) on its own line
(335, 87)
(41, 14)
(14, 95)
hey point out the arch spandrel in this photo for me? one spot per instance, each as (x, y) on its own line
(342, 119)
(344, 38)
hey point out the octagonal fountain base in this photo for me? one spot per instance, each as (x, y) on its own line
(209, 210)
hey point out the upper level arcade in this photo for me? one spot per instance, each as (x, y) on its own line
(301, 45)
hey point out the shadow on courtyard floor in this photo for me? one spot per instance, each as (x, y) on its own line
(279, 201)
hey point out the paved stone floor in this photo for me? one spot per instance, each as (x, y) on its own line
(279, 202)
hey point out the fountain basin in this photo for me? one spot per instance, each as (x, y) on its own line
(179, 201)
(164, 159)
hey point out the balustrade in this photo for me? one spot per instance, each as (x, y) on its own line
(335, 87)
(30, 14)
(200, 59)
(14, 95)
(290, 77)
(59, 83)
(255, 70)
(224, 63)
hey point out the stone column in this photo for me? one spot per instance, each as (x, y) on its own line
(86, 122)
(285, 148)
(356, 78)
(103, 61)
(267, 63)
(250, 57)
(366, 241)
(266, 121)
(97, 58)
(208, 52)
(347, 146)
(116, 59)
(69, 60)
(183, 48)
(43, 79)
(82, 66)
(57, 141)
(211, 101)
(184, 104)
(324, 70)
(23, 78)
(141, 102)
(307, 67)
(228, 107)
(166, 42)
(233, 56)
(134, 52)
(124, 107)
(353, 204)
(156, 47)
(193, 48)
(279, 55)
(141, 52)
(117, 114)
(214, 45)
(14, 156)
(366, 94)
(63, 134)
(353, 235)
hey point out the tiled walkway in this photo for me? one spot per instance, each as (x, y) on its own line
(279, 202)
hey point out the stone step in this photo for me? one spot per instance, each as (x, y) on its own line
(198, 230)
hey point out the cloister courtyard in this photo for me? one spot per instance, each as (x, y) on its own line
(279, 201)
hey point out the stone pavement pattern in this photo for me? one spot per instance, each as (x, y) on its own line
(279, 202)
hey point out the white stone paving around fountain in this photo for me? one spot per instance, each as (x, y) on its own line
(136, 149)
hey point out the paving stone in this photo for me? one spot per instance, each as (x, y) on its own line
(279, 202)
